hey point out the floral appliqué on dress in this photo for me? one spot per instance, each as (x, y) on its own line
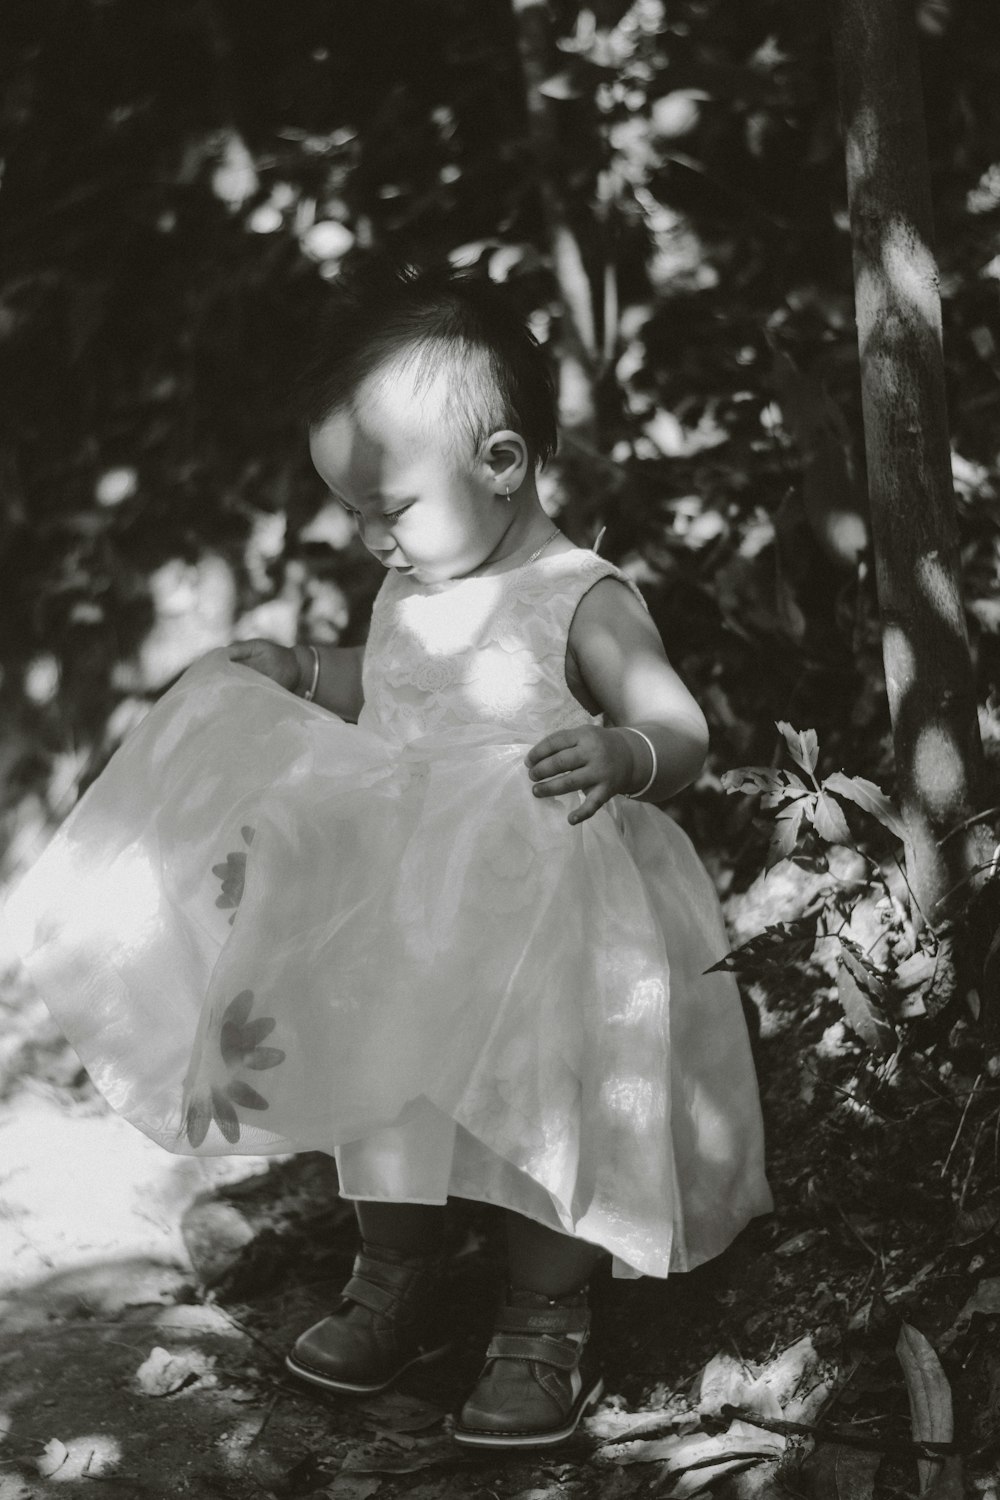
(240, 1046)
(233, 873)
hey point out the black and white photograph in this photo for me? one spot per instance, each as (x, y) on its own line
(499, 749)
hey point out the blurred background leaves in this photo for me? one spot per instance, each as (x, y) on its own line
(182, 178)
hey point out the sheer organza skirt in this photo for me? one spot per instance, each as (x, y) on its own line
(267, 930)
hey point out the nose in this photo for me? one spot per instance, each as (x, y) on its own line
(378, 538)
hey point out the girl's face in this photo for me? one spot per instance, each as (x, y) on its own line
(420, 504)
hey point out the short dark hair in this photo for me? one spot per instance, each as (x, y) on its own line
(433, 322)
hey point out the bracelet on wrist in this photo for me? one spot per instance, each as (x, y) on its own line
(310, 691)
(652, 750)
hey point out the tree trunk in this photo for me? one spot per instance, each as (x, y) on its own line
(914, 533)
(578, 351)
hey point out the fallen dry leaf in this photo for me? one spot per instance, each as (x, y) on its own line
(726, 1381)
(841, 1473)
(985, 1301)
(54, 1455)
(163, 1373)
(700, 1451)
(425, 1454)
(403, 1413)
(931, 1416)
(354, 1487)
(609, 1425)
(798, 1243)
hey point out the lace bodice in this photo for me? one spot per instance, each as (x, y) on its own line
(488, 650)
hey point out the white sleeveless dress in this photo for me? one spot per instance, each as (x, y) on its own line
(268, 930)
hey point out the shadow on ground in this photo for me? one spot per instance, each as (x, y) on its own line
(124, 1371)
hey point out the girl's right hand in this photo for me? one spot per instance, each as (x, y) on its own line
(280, 663)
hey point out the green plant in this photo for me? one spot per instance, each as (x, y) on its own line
(877, 990)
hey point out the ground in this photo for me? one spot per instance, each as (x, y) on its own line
(146, 1302)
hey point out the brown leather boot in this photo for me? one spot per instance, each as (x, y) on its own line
(388, 1319)
(539, 1377)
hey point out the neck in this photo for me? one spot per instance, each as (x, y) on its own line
(528, 528)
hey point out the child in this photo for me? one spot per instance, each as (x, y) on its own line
(414, 905)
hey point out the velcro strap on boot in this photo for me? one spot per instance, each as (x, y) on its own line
(535, 1320)
(562, 1356)
(376, 1298)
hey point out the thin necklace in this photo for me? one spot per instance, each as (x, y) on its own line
(536, 554)
(539, 550)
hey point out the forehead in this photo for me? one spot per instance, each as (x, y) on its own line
(389, 426)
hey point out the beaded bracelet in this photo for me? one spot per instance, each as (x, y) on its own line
(652, 750)
(310, 691)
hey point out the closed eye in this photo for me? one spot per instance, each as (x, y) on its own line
(392, 516)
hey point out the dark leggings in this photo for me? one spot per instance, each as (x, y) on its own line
(538, 1259)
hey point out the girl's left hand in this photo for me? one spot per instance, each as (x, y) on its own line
(598, 762)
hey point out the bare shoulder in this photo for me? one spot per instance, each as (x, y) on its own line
(621, 662)
(610, 611)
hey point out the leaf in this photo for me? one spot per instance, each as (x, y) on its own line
(241, 1093)
(862, 1010)
(353, 1487)
(869, 797)
(162, 1373)
(54, 1455)
(828, 820)
(792, 786)
(972, 1223)
(912, 985)
(707, 1456)
(404, 1413)
(798, 1243)
(931, 1416)
(864, 969)
(560, 86)
(792, 940)
(915, 972)
(726, 1381)
(985, 1301)
(238, 1010)
(610, 1425)
(803, 745)
(841, 1473)
(751, 780)
(426, 1453)
(786, 833)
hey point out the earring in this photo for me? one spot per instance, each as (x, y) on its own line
(506, 489)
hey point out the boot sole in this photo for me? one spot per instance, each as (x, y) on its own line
(352, 1388)
(473, 1437)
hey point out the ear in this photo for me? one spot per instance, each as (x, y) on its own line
(505, 455)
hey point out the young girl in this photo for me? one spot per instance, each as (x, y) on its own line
(415, 905)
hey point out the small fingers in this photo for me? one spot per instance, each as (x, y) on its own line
(557, 763)
(562, 739)
(577, 780)
(593, 802)
(240, 650)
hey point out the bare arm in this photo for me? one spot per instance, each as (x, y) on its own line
(338, 686)
(620, 659)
